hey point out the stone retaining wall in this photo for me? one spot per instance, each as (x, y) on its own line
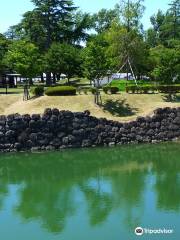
(63, 129)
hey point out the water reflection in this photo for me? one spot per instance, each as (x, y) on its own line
(53, 187)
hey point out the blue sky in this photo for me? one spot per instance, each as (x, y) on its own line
(11, 10)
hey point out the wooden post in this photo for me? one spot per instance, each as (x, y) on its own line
(26, 95)
(6, 85)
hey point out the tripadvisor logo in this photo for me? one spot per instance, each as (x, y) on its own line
(139, 231)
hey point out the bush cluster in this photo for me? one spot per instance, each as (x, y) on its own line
(37, 91)
(84, 90)
(93, 90)
(61, 91)
(151, 89)
(109, 89)
(169, 89)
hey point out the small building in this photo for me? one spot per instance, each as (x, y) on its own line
(9, 80)
(12, 79)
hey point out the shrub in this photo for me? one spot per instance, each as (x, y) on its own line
(37, 91)
(172, 89)
(132, 89)
(114, 90)
(93, 90)
(141, 89)
(61, 91)
(85, 90)
(106, 89)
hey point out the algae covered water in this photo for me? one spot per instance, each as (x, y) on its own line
(85, 194)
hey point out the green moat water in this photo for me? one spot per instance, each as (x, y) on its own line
(90, 194)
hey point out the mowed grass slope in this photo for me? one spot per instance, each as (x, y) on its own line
(120, 107)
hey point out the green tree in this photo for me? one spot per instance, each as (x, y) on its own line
(54, 21)
(104, 18)
(55, 16)
(131, 12)
(95, 61)
(123, 45)
(24, 58)
(4, 45)
(151, 37)
(125, 37)
(166, 64)
(64, 58)
(153, 34)
(78, 31)
(165, 26)
(173, 16)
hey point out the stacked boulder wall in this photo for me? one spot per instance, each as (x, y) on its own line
(56, 130)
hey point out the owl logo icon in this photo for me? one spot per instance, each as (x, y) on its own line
(139, 231)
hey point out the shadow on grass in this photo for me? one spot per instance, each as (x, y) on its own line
(119, 108)
(171, 98)
(35, 97)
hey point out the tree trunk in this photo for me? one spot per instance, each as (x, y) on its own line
(30, 81)
(54, 78)
(42, 78)
(58, 76)
(48, 79)
(68, 78)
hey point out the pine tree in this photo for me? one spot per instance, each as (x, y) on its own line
(56, 16)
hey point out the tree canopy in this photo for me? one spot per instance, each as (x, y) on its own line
(56, 37)
(24, 58)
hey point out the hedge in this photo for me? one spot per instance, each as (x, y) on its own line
(173, 89)
(151, 89)
(61, 91)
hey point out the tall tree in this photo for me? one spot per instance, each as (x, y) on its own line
(54, 21)
(165, 26)
(174, 13)
(4, 45)
(95, 61)
(104, 19)
(166, 63)
(24, 58)
(47, 23)
(63, 58)
(131, 12)
(78, 31)
(55, 16)
(125, 45)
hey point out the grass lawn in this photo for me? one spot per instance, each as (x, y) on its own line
(11, 90)
(121, 84)
(120, 107)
